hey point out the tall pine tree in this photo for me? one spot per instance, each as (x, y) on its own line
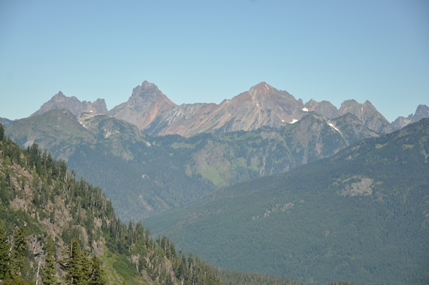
(1, 132)
(49, 272)
(96, 272)
(5, 271)
(73, 264)
(18, 252)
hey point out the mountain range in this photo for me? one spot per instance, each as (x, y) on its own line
(128, 153)
(146, 175)
(261, 182)
(263, 105)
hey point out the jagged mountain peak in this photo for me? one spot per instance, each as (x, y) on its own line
(60, 94)
(60, 97)
(147, 84)
(261, 105)
(147, 88)
(262, 88)
(148, 91)
(324, 108)
(422, 111)
(367, 114)
(73, 104)
(146, 103)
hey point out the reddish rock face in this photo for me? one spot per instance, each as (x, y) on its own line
(145, 104)
(262, 105)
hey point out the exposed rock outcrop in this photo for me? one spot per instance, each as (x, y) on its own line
(421, 113)
(74, 105)
(262, 105)
(146, 103)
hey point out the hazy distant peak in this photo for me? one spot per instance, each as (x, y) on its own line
(349, 102)
(324, 108)
(146, 103)
(367, 104)
(73, 104)
(149, 92)
(422, 111)
(147, 84)
(262, 88)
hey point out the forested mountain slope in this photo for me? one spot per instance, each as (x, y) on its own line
(361, 215)
(55, 228)
(145, 176)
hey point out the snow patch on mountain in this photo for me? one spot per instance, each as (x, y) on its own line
(332, 126)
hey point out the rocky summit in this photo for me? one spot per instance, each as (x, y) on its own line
(262, 105)
(74, 105)
(421, 112)
(146, 103)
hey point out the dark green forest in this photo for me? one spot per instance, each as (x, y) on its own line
(72, 221)
(360, 215)
(56, 229)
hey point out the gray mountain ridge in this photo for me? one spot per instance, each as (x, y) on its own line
(74, 105)
(421, 113)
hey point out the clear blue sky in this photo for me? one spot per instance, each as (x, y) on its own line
(207, 51)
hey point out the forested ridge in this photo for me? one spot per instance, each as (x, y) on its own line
(361, 215)
(59, 229)
(55, 229)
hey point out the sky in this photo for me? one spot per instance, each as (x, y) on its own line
(208, 51)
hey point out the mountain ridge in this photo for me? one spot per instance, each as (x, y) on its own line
(359, 215)
(74, 105)
(421, 112)
(262, 105)
(159, 173)
(144, 105)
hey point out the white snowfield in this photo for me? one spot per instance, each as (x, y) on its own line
(332, 126)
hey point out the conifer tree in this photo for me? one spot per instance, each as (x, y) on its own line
(49, 272)
(5, 272)
(18, 251)
(73, 264)
(86, 265)
(1, 132)
(96, 272)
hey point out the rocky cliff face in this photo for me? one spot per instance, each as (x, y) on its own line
(262, 105)
(421, 113)
(146, 103)
(74, 105)
(364, 113)
(367, 114)
(324, 108)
